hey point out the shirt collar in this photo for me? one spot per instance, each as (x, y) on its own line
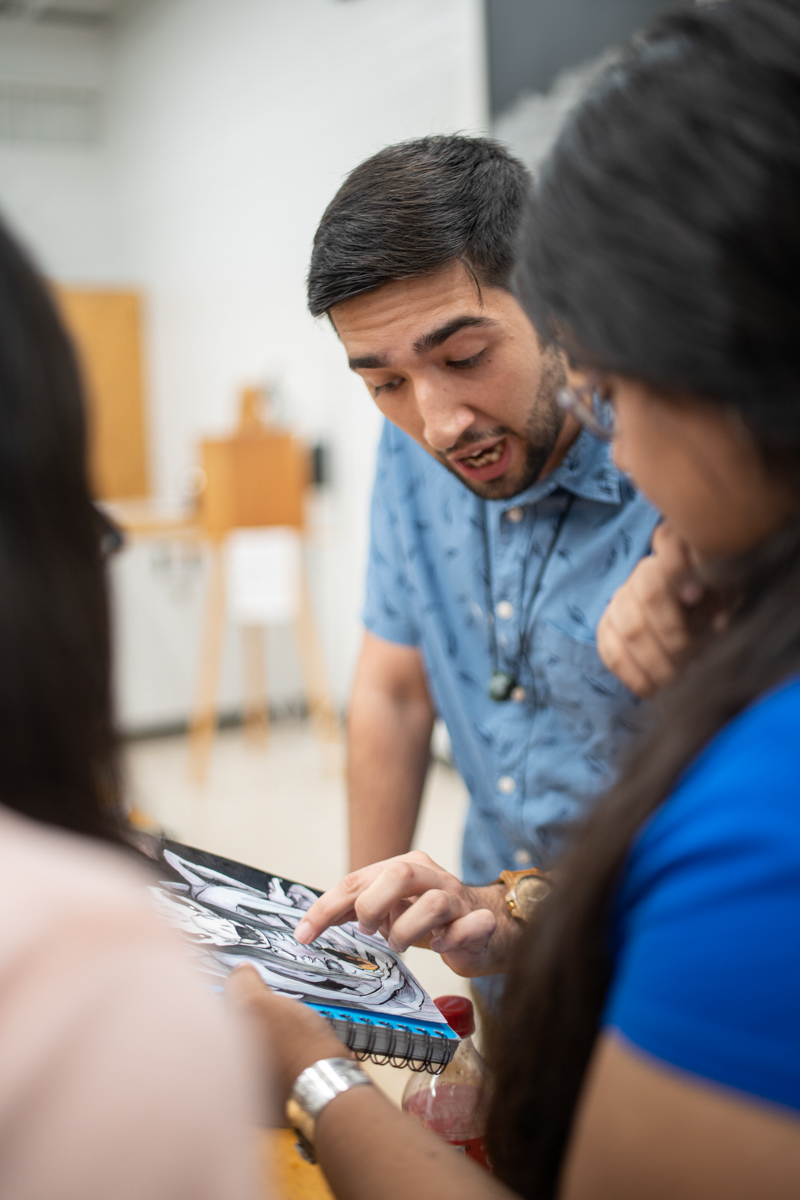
(587, 470)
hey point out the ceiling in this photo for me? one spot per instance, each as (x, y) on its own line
(67, 12)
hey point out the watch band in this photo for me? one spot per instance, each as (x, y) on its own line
(314, 1089)
(525, 890)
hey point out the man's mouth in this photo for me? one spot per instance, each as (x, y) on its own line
(487, 463)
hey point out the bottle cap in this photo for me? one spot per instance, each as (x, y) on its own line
(458, 1012)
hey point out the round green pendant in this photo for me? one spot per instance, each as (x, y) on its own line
(501, 685)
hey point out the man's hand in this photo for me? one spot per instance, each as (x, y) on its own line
(414, 902)
(643, 636)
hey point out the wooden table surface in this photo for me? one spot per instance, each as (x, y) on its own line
(287, 1176)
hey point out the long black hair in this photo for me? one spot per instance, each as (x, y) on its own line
(57, 745)
(663, 244)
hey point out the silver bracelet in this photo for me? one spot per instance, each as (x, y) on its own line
(315, 1087)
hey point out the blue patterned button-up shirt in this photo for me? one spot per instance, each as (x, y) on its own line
(534, 762)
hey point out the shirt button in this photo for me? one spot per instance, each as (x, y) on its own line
(515, 515)
(518, 694)
(506, 785)
(505, 609)
(522, 857)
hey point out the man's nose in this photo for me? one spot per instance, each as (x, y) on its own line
(445, 418)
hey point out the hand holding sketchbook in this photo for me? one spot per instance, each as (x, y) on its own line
(234, 914)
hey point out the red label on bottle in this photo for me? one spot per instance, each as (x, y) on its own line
(474, 1148)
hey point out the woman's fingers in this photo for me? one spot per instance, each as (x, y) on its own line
(245, 987)
(672, 550)
(644, 633)
(617, 656)
(290, 1035)
(662, 618)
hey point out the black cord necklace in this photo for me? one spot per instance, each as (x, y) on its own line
(502, 683)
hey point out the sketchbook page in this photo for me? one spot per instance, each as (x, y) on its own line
(234, 914)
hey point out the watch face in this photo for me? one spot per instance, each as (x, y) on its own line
(529, 891)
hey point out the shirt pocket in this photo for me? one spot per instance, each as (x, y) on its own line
(591, 711)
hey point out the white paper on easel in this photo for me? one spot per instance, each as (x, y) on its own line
(263, 575)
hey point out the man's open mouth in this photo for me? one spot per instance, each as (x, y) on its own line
(485, 458)
(487, 463)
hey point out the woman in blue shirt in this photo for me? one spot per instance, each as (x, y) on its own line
(649, 1040)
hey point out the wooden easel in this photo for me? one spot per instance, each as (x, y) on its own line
(254, 479)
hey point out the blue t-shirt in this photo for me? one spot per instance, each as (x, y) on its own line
(706, 926)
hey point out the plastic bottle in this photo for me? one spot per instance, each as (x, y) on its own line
(452, 1104)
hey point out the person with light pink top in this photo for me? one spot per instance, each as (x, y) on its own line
(122, 1075)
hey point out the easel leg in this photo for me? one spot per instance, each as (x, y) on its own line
(254, 680)
(318, 693)
(205, 713)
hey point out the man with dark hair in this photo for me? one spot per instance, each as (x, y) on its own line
(499, 529)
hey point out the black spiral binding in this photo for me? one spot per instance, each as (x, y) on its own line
(354, 1032)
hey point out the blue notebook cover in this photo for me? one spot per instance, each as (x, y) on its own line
(233, 913)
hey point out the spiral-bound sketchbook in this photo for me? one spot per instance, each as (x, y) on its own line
(232, 913)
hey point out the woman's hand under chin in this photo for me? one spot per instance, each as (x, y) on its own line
(644, 635)
(289, 1035)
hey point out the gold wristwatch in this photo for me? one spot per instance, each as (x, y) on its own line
(526, 889)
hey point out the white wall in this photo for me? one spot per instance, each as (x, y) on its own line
(231, 124)
(59, 198)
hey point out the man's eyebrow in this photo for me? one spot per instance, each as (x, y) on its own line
(436, 337)
(367, 361)
(428, 341)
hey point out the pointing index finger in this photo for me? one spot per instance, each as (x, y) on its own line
(335, 906)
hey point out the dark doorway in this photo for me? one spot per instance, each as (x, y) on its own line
(531, 41)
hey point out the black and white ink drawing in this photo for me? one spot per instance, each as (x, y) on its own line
(231, 923)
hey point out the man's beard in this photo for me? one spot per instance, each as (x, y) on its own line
(539, 436)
